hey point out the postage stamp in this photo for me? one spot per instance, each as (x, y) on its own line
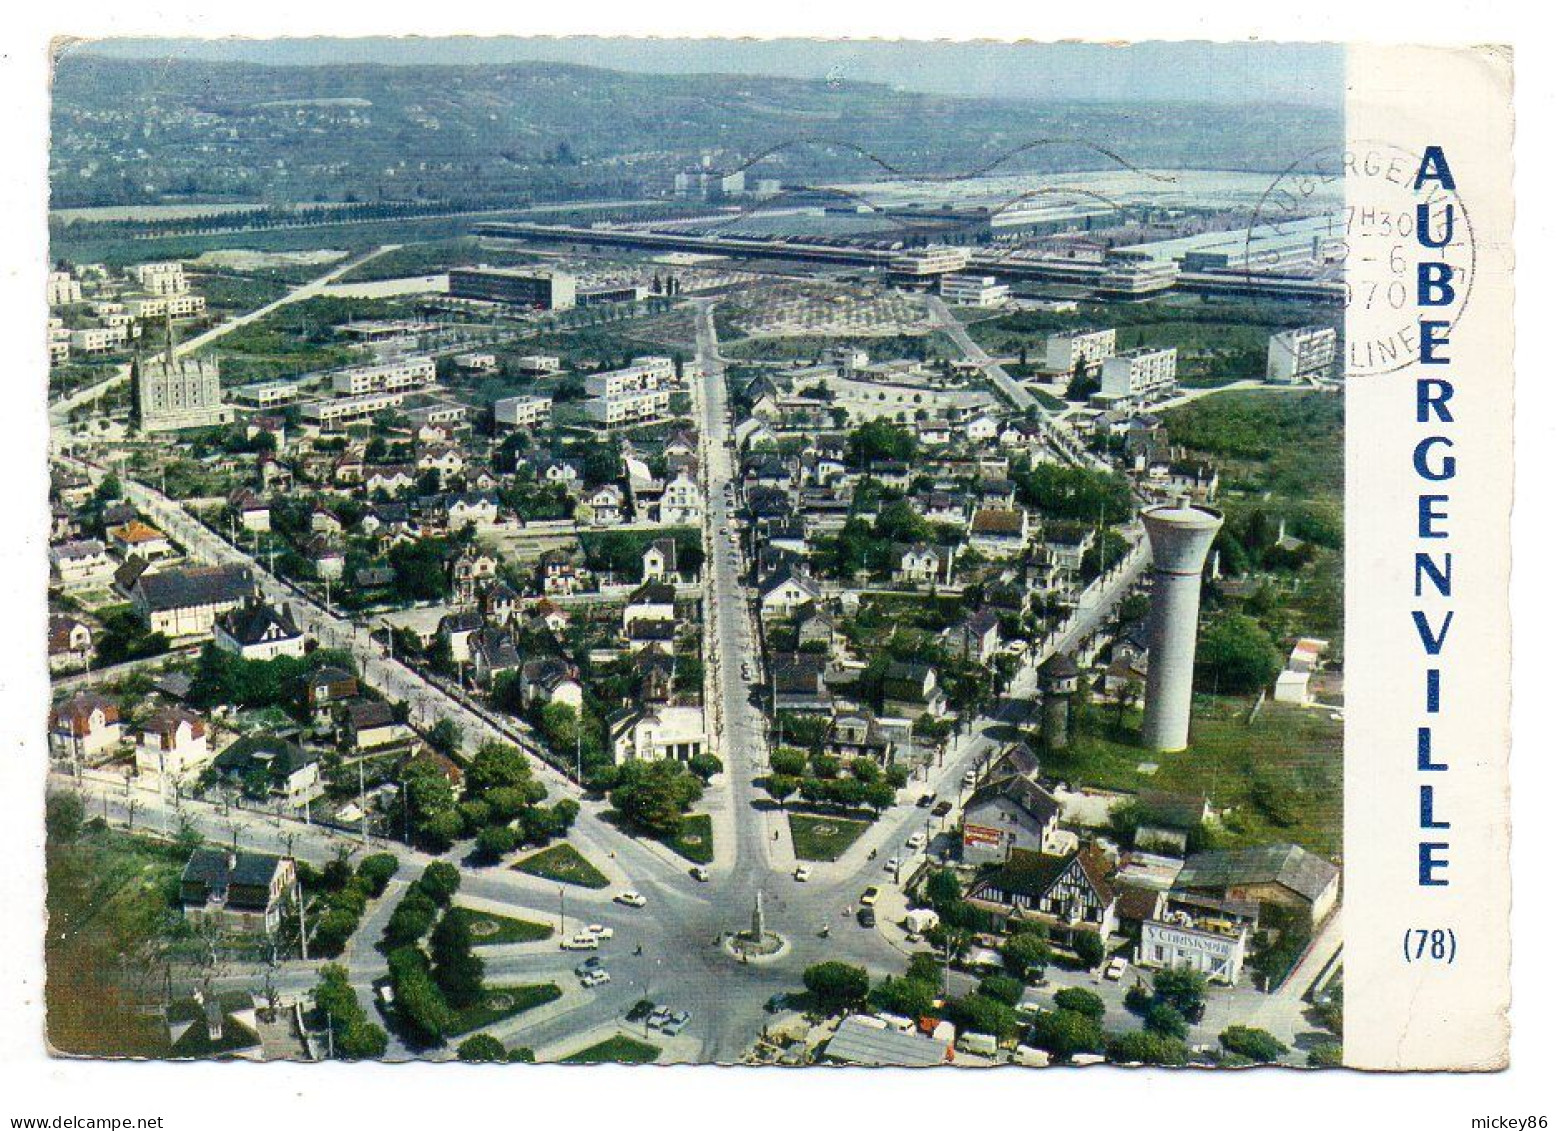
(697, 552)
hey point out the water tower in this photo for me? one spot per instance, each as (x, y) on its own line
(1180, 536)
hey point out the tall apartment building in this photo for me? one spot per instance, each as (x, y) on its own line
(160, 278)
(179, 304)
(1141, 373)
(1295, 354)
(390, 377)
(630, 406)
(62, 289)
(643, 374)
(1063, 352)
(522, 286)
(171, 394)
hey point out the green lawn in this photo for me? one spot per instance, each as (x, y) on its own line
(616, 1050)
(695, 841)
(563, 863)
(823, 838)
(1281, 774)
(500, 1002)
(487, 929)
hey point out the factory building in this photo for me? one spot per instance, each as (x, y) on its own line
(521, 286)
(922, 266)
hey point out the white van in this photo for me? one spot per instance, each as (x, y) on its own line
(1029, 1057)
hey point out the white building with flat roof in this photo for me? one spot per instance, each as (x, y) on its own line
(925, 263)
(1141, 373)
(62, 289)
(1305, 352)
(633, 406)
(391, 377)
(659, 733)
(522, 412)
(349, 410)
(1063, 352)
(973, 290)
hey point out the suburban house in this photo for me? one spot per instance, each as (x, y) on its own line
(326, 688)
(659, 561)
(171, 743)
(240, 892)
(492, 653)
(81, 564)
(977, 638)
(786, 593)
(857, 734)
(84, 728)
(1069, 894)
(138, 539)
(257, 630)
(921, 562)
(214, 1025)
(1004, 816)
(371, 723)
(184, 602)
(911, 689)
(268, 765)
(998, 532)
(70, 642)
(551, 680)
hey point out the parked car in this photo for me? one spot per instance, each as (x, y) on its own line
(700, 874)
(894, 864)
(802, 874)
(970, 779)
(869, 896)
(678, 1021)
(659, 1017)
(867, 916)
(597, 978)
(917, 841)
(588, 966)
(941, 809)
(581, 941)
(925, 800)
(601, 932)
(1115, 969)
(631, 899)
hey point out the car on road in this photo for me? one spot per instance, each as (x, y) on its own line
(600, 932)
(916, 842)
(925, 800)
(802, 874)
(869, 896)
(631, 899)
(700, 874)
(894, 864)
(941, 809)
(581, 941)
(588, 966)
(658, 1017)
(678, 1021)
(867, 916)
(970, 779)
(596, 978)
(1115, 969)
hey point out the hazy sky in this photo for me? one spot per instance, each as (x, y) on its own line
(1198, 72)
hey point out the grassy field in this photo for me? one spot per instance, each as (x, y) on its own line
(1280, 774)
(487, 929)
(823, 838)
(616, 1050)
(499, 1003)
(564, 864)
(695, 841)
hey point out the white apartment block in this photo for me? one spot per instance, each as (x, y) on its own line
(926, 262)
(160, 278)
(538, 363)
(180, 304)
(643, 374)
(267, 394)
(1141, 372)
(1063, 352)
(349, 410)
(973, 290)
(1295, 354)
(522, 412)
(62, 289)
(391, 377)
(634, 406)
(99, 339)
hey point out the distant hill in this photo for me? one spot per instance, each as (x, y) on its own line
(128, 131)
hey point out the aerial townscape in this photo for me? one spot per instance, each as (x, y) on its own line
(546, 567)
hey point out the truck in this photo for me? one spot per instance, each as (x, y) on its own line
(920, 920)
